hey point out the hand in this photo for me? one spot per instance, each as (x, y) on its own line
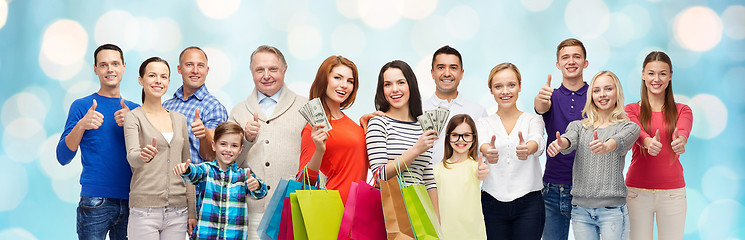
(679, 143)
(426, 141)
(654, 146)
(522, 147)
(119, 114)
(598, 147)
(252, 128)
(181, 168)
(366, 118)
(483, 170)
(319, 136)
(556, 146)
(197, 126)
(92, 118)
(148, 152)
(192, 224)
(544, 95)
(490, 153)
(251, 183)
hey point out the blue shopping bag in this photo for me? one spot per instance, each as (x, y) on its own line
(269, 225)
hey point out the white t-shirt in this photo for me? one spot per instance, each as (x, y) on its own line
(459, 105)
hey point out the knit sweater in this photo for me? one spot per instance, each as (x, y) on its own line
(597, 180)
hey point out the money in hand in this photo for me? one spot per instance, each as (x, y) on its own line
(313, 112)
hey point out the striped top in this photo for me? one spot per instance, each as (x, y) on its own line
(387, 139)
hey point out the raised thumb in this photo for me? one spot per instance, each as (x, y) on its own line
(155, 141)
(520, 135)
(256, 116)
(548, 83)
(493, 138)
(675, 134)
(657, 135)
(188, 161)
(595, 134)
(196, 115)
(124, 106)
(93, 107)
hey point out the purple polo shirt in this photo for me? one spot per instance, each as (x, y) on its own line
(566, 106)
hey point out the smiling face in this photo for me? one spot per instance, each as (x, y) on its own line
(193, 68)
(340, 85)
(505, 87)
(396, 89)
(571, 62)
(155, 79)
(461, 138)
(604, 93)
(109, 68)
(268, 72)
(227, 148)
(656, 76)
(447, 73)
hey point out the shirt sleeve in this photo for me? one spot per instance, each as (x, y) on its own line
(572, 134)
(535, 133)
(685, 121)
(632, 112)
(307, 149)
(64, 154)
(375, 139)
(217, 115)
(132, 140)
(196, 174)
(258, 193)
(626, 136)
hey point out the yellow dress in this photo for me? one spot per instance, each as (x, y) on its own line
(459, 199)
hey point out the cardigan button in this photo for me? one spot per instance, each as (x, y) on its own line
(266, 141)
(266, 164)
(268, 187)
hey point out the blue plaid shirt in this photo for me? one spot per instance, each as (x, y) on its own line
(211, 112)
(223, 213)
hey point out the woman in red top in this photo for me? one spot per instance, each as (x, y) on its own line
(655, 177)
(340, 154)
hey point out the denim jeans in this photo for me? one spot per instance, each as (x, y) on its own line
(521, 218)
(558, 203)
(97, 216)
(601, 223)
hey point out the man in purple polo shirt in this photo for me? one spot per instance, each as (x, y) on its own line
(559, 107)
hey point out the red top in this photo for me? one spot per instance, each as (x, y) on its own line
(663, 171)
(345, 160)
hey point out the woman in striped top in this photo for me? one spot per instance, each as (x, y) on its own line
(396, 140)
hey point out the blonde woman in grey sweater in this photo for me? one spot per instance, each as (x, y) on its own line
(601, 139)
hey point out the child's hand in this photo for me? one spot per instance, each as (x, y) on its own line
(181, 168)
(148, 152)
(490, 151)
(483, 170)
(556, 146)
(522, 148)
(319, 136)
(251, 183)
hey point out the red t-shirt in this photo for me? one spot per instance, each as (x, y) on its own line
(663, 171)
(345, 160)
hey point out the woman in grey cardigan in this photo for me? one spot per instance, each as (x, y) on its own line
(601, 139)
(160, 203)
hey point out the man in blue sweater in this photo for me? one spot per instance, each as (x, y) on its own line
(94, 124)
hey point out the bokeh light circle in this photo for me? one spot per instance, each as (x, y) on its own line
(21, 139)
(304, 42)
(169, 35)
(118, 27)
(536, 5)
(67, 190)
(64, 41)
(462, 22)
(720, 220)
(587, 19)
(16, 233)
(733, 19)
(427, 35)
(720, 183)
(378, 14)
(3, 13)
(423, 72)
(348, 40)
(52, 167)
(23, 105)
(13, 185)
(710, 115)
(348, 8)
(416, 9)
(698, 28)
(220, 68)
(218, 9)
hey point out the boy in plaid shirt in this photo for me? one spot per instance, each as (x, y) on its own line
(223, 213)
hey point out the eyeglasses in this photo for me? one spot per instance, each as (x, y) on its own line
(467, 137)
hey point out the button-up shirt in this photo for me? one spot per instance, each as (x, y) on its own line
(268, 103)
(459, 105)
(566, 106)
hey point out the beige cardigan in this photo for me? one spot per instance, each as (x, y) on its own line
(153, 183)
(276, 151)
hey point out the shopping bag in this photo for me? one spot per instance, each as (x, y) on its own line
(268, 228)
(348, 216)
(322, 211)
(285, 225)
(397, 224)
(421, 212)
(367, 220)
(298, 225)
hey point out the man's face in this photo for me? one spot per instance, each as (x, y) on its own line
(193, 69)
(268, 72)
(571, 62)
(447, 73)
(109, 68)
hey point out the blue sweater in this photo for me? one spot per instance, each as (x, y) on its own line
(106, 172)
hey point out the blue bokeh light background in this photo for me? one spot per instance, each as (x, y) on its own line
(46, 62)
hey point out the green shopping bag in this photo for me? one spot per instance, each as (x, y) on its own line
(298, 225)
(322, 211)
(421, 212)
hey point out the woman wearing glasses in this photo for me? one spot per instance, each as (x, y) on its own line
(511, 141)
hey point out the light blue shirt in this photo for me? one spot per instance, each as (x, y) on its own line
(267, 104)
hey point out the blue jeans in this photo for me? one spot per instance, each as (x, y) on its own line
(521, 218)
(603, 222)
(558, 203)
(97, 216)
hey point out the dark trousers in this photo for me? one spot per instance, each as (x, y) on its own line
(522, 218)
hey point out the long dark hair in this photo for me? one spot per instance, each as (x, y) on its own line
(144, 65)
(452, 124)
(670, 111)
(415, 98)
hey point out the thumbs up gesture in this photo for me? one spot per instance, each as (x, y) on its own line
(483, 170)
(490, 152)
(679, 143)
(251, 183)
(148, 152)
(544, 95)
(197, 126)
(252, 128)
(522, 147)
(182, 168)
(557, 145)
(119, 114)
(654, 146)
(92, 119)
(597, 146)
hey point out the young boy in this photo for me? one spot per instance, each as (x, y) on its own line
(223, 209)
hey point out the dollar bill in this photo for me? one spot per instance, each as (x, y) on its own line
(425, 122)
(313, 112)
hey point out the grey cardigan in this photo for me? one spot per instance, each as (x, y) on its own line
(153, 183)
(597, 180)
(275, 153)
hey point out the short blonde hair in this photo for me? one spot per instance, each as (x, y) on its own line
(590, 113)
(503, 66)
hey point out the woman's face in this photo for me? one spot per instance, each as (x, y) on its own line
(340, 84)
(461, 138)
(656, 76)
(505, 88)
(396, 88)
(155, 80)
(604, 93)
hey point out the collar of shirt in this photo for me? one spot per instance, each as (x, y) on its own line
(200, 94)
(581, 91)
(231, 168)
(437, 101)
(274, 97)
